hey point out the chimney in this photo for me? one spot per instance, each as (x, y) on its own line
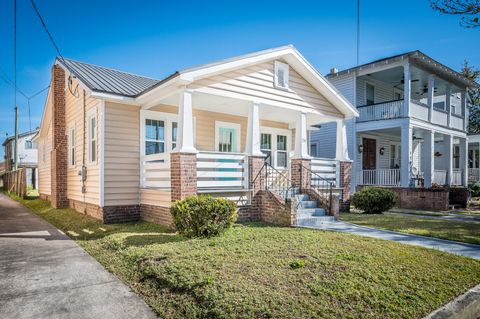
(333, 71)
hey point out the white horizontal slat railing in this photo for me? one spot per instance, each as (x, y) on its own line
(327, 170)
(217, 170)
(155, 171)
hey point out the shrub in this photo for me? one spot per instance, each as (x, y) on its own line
(296, 264)
(373, 200)
(203, 216)
(474, 189)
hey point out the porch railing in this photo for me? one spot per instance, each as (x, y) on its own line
(440, 177)
(217, 170)
(382, 177)
(274, 180)
(456, 121)
(457, 177)
(473, 175)
(327, 170)
(155, 172)
(381, 111)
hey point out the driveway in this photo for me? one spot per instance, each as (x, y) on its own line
(44, 274)
(453, 247)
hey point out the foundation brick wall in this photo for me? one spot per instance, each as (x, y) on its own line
(44, 197)
(459, 196)
(346, 179)
(255, 165)
(59, 141)
(248, 214)
(183, 172)
(272, 209)
(301, 177)
(92, 210)
(121, 214)
(156, 214)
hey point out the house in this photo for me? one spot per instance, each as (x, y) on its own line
(412, 128)
(120, 147)
(27, 156)
(473, 158)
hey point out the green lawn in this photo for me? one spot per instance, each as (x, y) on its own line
(256, 271)
(453, 230)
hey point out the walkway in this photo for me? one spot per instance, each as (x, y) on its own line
(468, 250)
(44, 274)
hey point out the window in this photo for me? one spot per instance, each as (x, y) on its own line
(154, 136)
(456, 156)
(266, 146)
(174, 135)
(313, 149)
(281, 75)
(394, 156)
(92, 138)
(71, 146)
(281, 151)
(28, 145)
(227, 137)
(370, 94)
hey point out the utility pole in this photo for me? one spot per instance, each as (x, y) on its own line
(358, 32)
(15, 152)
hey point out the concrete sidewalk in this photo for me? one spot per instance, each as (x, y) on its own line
(453, 247)
(44, 274)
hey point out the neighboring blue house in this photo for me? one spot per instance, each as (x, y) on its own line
(398, 141)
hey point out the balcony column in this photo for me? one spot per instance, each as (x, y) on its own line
(464, 160)
(406, 90)
(406, 137)
(183, 160)
(448, 107)
(429, 158)
(431, 95)
(448, 140)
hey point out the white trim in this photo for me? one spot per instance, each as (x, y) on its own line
(102, 153)
(168, 119)
(274, 132)
(92, 114)
(235, 126)
(71, 127)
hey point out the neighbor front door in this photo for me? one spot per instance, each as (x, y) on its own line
(369, 154)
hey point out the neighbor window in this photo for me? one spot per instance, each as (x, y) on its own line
(92, 139)
(71, 146)
(313, 149)
(266, 146)
(456, 156)
(281, 151)
(281, 75)
(154, 136)
(28, 145)
(370, 94)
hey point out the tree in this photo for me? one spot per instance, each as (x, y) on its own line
(473, 74)
(469, 10)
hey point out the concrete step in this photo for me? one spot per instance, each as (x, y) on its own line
(315, 221)
(308, 204)
(308, 212)
(302, 197)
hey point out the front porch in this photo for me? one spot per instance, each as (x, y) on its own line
(410, 156)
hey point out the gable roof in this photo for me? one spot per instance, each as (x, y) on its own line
(20, 135)
(419, 58)
(105, 80)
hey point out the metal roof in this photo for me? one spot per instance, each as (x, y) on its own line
(101, 79)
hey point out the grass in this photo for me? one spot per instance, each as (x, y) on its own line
(257, 271)
(446, 229)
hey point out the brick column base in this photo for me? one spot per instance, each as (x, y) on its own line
(255, 165)
(183, 175)
(301, 177)
(346, 179)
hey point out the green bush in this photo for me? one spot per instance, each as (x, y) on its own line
(374, 200)
(203, 216)
(474, 189)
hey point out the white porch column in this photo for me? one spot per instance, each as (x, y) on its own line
(406, 90)
(301, 147)
(406, 164)
(341, 143)
(464, 110)
(431, 94)
(449, 156)
(464, 160)
(429, 158)
(253, 131)
(448, 107)
(185, 138)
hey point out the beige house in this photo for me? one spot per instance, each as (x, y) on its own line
(120, 147)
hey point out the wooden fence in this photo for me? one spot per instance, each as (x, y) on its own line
(16, 182)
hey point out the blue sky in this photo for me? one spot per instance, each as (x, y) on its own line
(156, 38)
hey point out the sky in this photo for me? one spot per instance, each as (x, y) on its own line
(156, 38)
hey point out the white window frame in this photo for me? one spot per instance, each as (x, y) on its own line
(274, 132)
(92, 114)
(71, 128)
(286, 75)
(229, 125)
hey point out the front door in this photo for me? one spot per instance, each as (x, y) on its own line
(369, 161)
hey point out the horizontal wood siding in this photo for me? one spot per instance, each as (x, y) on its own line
(257, 81)
(326, 140)
(44, 167)
(122, 154)
(383, 91)
(345, 84)
(155, 197)
(75, 115)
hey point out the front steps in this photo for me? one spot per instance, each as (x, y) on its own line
(308, 213)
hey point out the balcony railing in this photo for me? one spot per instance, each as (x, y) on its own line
(381, 111)
(382, 177)
(456, 121)
(473, 175)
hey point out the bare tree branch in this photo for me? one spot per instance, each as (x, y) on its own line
(468, 9)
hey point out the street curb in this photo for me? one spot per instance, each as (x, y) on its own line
(466, 306)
